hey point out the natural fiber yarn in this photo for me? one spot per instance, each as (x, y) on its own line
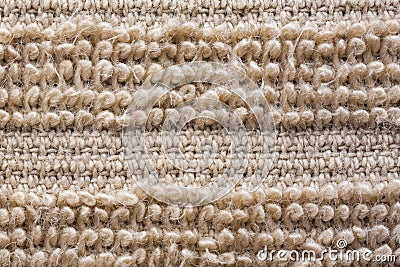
(69, 70)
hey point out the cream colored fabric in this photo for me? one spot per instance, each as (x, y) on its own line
(68, 70)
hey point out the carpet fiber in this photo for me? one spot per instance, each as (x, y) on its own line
(69, 70)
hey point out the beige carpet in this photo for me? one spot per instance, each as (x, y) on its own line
(69, 69)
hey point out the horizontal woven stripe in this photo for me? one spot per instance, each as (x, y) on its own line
(94, 160)
(149, 13)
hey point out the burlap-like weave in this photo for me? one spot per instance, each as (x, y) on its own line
(68, 71)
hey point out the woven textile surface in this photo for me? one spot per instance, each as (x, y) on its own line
(69, 69)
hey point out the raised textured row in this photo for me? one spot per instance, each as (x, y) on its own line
(106, 120)
(321, 50)
(340, 91)
(351, 54)
(174, 256)
(290, 97)
(85, 74)
(70, 227)
(373, 44)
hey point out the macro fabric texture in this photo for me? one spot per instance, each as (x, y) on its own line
(69, 69)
